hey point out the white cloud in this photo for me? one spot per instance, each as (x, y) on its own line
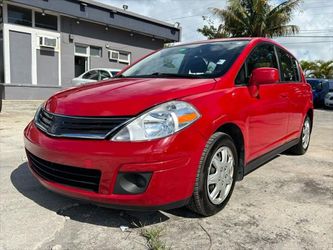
(314, 19)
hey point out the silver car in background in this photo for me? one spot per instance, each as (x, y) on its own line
(329, 99)
(95, 75)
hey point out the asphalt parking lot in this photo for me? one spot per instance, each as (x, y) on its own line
(286, 204)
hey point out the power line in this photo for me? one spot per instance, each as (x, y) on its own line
(297, 43)
(308, 36)
(183, 17)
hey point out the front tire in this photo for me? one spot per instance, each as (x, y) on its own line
(216, 175)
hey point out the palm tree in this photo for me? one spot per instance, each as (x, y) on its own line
(318, 68)
(308, 67)
(255, 18)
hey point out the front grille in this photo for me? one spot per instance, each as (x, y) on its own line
(71, 176)
(77, 126)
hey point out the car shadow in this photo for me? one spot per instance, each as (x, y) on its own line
(82, 211)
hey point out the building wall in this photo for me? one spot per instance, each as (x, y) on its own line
(20, 57)
(32, 72)
(95, 35)
(47, 67)
(28, 92)
(102, 13)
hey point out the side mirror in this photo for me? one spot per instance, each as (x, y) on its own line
(261, 76)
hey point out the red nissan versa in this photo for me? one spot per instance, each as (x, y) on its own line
(179, 127)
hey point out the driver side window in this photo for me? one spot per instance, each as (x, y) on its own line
(262, 56)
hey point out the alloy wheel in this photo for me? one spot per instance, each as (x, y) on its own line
(306, 133)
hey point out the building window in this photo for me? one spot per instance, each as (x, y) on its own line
(81, 49)
(120, 56)
(124, 57)
(46, 21)
(18, 15)
(95, 51)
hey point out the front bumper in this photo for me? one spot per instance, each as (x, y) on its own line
(173, 162)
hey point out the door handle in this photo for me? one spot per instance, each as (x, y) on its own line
(284, 95)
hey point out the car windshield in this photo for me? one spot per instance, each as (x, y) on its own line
(205, 60)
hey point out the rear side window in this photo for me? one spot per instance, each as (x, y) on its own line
(92, 75)
(288, 67)
(262, 56)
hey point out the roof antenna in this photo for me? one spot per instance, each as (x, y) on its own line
(125, 7)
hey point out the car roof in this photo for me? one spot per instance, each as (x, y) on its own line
(252, 40)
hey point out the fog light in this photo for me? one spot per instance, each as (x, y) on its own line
(132, 183)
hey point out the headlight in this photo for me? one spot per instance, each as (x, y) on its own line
(161, 121)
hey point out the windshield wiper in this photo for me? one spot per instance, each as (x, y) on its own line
(173, 75)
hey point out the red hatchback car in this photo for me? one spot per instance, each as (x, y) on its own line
(178, 127)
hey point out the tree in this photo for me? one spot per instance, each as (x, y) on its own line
(211, 32)
(252, 18)
(318, 68)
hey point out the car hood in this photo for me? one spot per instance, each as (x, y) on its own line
(123, 97)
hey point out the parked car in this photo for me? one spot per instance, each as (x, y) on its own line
(95, 75)
(329, 99)
(177, 128)
(320, 88)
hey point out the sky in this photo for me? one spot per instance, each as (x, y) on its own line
(314, 18)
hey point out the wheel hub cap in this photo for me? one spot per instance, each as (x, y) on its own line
(220, 175)
(306, 134)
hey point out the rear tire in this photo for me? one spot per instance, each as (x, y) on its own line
(304, 141)
(216, 175)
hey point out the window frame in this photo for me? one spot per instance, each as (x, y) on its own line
(278, 63)
(99, 48)
(23, 8)
(294, 60)
(128, 61)
(244, 64)
(34, 13)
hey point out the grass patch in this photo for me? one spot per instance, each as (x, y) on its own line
(153, 237)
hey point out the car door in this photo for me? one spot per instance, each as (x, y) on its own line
(267, 119)
(292, 81)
